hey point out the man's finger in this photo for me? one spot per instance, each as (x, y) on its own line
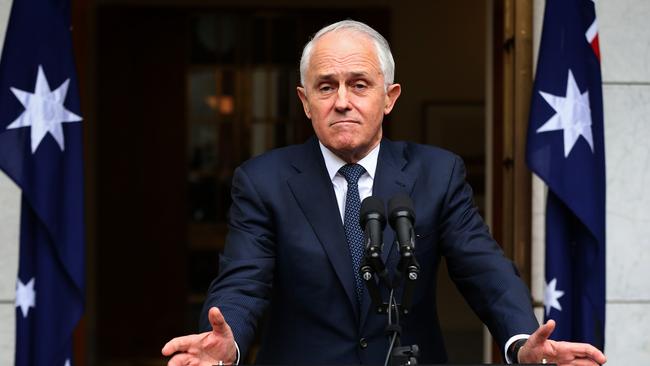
(584, 362)
(178, 344)
(217, 321)
(584, 350)
(543, 332)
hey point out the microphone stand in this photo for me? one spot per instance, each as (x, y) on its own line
(409, 269)
(368, 272)
(372, 265)
(373, 221)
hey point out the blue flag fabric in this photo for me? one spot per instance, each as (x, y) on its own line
(41, 150)
(566, 149)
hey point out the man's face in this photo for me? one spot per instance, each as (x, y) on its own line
(344, 94)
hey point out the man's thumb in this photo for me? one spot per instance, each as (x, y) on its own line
(544, 331)
(217, 320)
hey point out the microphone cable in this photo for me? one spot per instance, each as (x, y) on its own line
(392, 306)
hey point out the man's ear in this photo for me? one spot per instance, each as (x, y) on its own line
(305, 103)
(392, 93)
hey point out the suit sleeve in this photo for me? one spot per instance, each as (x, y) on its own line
(485, 277)
(242, 288)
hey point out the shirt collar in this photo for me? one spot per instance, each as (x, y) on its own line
(333, 163)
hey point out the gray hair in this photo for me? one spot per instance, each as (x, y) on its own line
(386, 61)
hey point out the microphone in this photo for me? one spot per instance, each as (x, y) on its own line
(373, 221)
(402, 218)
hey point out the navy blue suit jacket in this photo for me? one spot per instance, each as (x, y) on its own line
(286, 255)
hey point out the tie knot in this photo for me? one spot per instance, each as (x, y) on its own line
(352, 172)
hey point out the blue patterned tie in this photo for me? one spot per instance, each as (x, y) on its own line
(353, 232)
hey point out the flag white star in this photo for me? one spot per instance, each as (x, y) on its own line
(25, 296)
(44, 111)
(67, 362)
(552, 296)
(573, 115)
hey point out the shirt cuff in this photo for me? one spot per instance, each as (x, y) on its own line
(238, 354)
(509, 343)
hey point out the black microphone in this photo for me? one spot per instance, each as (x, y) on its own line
(373, 221)
(402, 218)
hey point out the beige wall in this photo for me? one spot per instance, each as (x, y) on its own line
(9, 219)
(625, 46)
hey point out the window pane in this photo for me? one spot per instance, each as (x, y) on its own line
(202, 94)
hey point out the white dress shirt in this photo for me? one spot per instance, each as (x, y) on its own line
(333, 163)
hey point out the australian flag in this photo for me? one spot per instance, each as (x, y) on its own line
(566, 149)
(41, 151)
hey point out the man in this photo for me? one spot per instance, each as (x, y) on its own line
(290, 249)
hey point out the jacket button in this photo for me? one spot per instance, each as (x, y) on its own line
(363, 343)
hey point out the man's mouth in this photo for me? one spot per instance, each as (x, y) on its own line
(343, 121)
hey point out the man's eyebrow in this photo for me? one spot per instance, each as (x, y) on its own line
(352, 74)
(358, 74)
(325, 77)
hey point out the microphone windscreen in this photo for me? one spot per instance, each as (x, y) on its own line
(371, 204)
(372, 207)
(400, 205)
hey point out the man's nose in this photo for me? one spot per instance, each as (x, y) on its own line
(342, 101)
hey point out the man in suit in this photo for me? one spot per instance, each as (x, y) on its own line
(291, 249)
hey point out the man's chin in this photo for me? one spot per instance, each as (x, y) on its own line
(350, 151)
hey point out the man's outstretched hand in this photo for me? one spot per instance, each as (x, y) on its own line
(539, 349)
(204, 349)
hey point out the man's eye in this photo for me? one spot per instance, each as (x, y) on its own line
(360, 86)
(325, 88)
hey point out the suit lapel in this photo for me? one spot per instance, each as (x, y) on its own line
(390, 178)
(314, 193)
